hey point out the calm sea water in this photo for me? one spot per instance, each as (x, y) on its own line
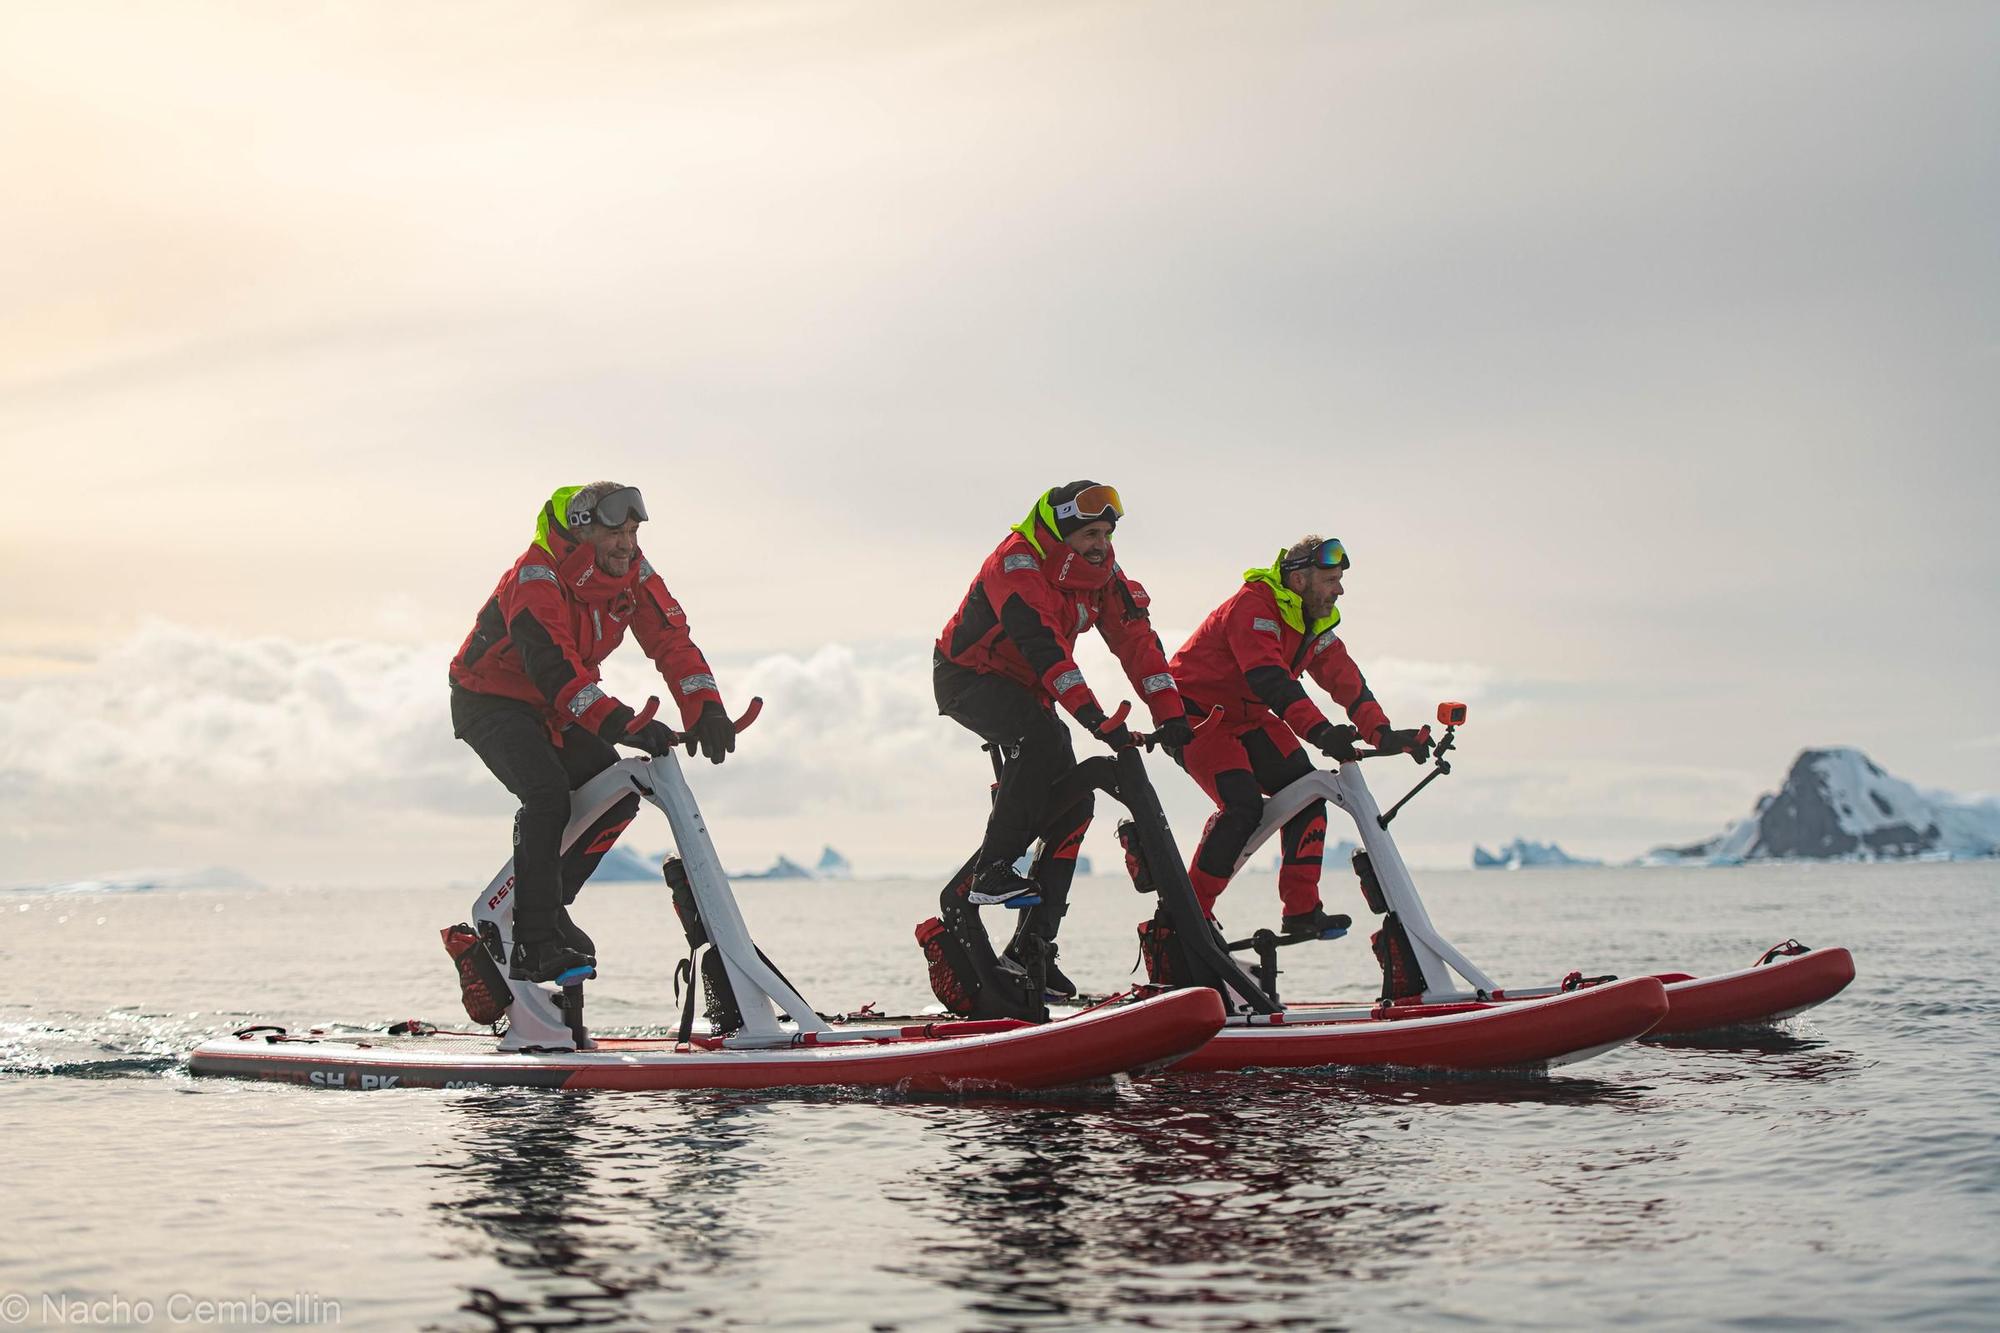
(1841, 1172)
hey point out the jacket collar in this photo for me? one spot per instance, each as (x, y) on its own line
(1061, 565)
(1290, 605)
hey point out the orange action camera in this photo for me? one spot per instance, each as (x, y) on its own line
(1451, 714)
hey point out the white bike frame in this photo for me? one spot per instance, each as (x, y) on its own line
(536, 1019)
(1345, 787)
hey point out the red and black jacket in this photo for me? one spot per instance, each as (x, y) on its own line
(1033, 598)
(1246, 658)
(555, 616)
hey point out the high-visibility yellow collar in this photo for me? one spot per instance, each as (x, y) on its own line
(1290, 605)
(550, 525)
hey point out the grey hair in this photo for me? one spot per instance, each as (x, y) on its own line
(1303, 546)
(586, 499)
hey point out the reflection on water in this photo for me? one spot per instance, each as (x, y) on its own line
(1210, 1201)
(1760, 1038)
(591, 1207)
(1758, 1053)
(1180, 1202)
(1445, 1088)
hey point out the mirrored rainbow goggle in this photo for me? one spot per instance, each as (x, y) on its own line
(1329, 554)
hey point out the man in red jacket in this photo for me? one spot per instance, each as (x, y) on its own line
(1003, 663)
(525, 696)
(1246, 659)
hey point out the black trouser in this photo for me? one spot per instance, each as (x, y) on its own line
(1034, 748)
(511, 738)
(1070, 807)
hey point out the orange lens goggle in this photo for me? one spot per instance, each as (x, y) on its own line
(1091, 504)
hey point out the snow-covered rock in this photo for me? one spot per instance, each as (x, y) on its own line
(1836, 804)
(1521, 852)
(832, 865)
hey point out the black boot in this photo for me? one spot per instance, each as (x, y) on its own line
(1318, 922)
(1055, 986)
(550, 959)
(572, 935)
(1035, 937)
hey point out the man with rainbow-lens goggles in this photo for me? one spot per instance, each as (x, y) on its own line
(1002, 664)
(1245, 660)
(525, 695)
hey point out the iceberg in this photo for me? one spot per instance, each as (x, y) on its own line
(622, 865)
(782, 868)
(1520, 852)
(148, 881)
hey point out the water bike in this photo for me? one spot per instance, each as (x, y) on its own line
(768, 1036)
(1261, 1030)
(1419, 964)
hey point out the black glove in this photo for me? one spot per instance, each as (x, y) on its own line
(656, 738)
(1335, 742)
(1114, 734)
(1416, 743)
(713, 732)
(1174, 735)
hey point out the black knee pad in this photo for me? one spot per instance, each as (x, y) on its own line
(1071, 822)
(1228, 833)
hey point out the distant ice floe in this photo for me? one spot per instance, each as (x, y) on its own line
(1838, 805)
(1521, 853)
(147, 881)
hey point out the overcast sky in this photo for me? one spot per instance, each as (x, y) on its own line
(1645, 356)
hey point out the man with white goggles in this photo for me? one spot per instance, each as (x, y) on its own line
(611, 510)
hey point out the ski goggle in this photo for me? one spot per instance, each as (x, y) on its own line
(611, 510)
(1329, 554)
(1091, 504)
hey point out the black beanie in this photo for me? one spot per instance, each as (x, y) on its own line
(1063, 495)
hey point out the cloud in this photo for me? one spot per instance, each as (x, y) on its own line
(293, 758)
(174, 726)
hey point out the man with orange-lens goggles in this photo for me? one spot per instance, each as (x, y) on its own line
(1001, 666)
(1091, 505)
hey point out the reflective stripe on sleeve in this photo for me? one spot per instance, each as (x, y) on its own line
(1264, 626)
(580, 702)
(1154, 684)
(1017, 561)
(690, 684)
(529, 573)
(1068, 681)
